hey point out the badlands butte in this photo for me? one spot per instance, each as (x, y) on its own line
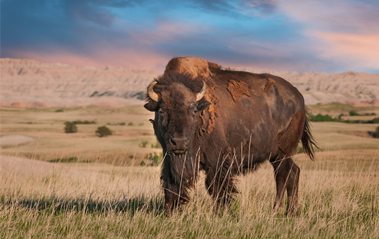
(30, 83)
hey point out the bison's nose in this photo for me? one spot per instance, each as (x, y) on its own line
(179, 144)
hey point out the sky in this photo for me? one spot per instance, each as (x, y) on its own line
(283, 35)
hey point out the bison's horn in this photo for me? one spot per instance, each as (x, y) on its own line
(151, 93)
(201, 93)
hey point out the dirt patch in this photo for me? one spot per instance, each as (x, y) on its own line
(192, 65)
(237, 89)
(14, 140)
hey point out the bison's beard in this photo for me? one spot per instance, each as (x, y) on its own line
(181, 169)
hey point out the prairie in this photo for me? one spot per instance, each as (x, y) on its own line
(105, 193)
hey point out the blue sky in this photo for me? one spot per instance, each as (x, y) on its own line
(325, 36)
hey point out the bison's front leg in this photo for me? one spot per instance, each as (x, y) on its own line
(220, 185)
(175, 189)
(175, 197)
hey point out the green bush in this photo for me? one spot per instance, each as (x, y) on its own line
(353, 113)
(143, 144)
(70, 127)
(156, 158)
(121, 123)
(64, 160)
(321, 118)
(103, 131)
(376, 120)
(157, 145)
(83, 122)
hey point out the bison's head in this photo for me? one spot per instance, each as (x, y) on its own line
(177, 100)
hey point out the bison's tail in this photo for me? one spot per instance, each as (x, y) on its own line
(308, 141)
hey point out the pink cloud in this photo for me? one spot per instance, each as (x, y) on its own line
(165, 32)
(352, 49)
(336, 15)
(342, 31)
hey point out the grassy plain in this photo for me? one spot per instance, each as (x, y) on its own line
(46, 125)
(106, 194)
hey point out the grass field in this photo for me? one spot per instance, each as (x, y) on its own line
(46, 125)
(106, 194)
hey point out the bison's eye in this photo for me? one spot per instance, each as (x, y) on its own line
(162, 114)
(193, 109)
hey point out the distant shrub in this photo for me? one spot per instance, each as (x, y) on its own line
(157, 145)
(103, 131)
(377, 132)
(142, 163)
(59, 110)
(321, 118)
(155, 158)
(340, 116)
(64, 160)
(121, 123)
(143, 144)
(353, 113)
(327, 118)
(130, 124)
(70, 127)
(84, 122)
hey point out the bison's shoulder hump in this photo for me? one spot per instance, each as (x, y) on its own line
(190, 65)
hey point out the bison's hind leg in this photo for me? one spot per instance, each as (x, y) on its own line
(287, 175)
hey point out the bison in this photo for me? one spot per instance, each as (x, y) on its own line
(225, 122)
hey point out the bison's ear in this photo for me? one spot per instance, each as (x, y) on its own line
(203, 104)
(151, 105)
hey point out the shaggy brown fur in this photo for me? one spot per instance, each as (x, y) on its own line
(189, 65)
(213, 108)
(226, 137)
(237, 89)
(270, 82)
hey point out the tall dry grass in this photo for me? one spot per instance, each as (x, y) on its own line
(102, 201)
